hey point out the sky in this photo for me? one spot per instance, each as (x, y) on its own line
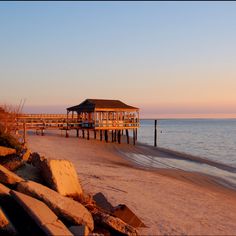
(170, 59)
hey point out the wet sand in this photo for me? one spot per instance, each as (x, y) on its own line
(168, 200)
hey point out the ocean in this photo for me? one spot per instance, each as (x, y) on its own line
(213, 139)
(205, 139)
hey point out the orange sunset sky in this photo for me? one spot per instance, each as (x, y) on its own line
(173, 60)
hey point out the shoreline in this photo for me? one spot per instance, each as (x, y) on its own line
(168, 201)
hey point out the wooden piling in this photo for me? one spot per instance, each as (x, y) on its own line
(83, 133)
(95, 134)
(100, 135)
(115, 136)
(88, 134)
(127, 135)
(155, 134)
(112, 136)
(134, 138)
(119, 136)
(77, 132)
(106, 136)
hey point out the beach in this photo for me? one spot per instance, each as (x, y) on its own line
(168, 201)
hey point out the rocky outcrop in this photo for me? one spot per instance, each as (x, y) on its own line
(6, 227)
(62, 177)
(66, 208)
(4, 151)
(124, 213)
(11, 162)
(4, 191)
(29, 172)
(63, 198)
(41, 214)
(35, 159)
(25, 155)
(102, 202)
(79, 230)
(114, 223)
(8, 177)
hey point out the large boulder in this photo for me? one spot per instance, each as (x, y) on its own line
(25, 155)
(8, 177)
(35, 159)
(41, 214)
(4, 151)
(114, 224)
(65, 208)
(12, 162)
(79, 230)
(102, 202)
(62, 177)
(4, 191)
(6, 227)
(30, 172)
(124, 213)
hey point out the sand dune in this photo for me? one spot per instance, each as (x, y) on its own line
(169, 201)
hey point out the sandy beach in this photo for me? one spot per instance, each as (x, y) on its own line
(168, 201)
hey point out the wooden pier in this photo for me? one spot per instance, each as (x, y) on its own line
(101, 118)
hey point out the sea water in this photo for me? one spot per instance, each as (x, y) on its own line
(213, 139)
(203, 139)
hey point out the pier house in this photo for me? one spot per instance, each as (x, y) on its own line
(106, 116)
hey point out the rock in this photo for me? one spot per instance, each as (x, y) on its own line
(114, 223)
(8, 177)
(65, 208)
(11, 162)
(102, 202)
(36, 159)
(62, 177)
(4, 191)
(29, 172)
(4, 151)
(125, 214)
(6, 227)
(26, 154)
(79, 230)
(41, 214)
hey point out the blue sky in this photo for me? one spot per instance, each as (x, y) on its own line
(165, 57)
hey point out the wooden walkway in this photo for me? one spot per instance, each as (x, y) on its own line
(103, 130)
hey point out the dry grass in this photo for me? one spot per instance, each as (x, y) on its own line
(8, 126)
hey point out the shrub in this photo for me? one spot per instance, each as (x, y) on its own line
(7, 140)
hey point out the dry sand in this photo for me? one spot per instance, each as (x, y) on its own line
(168, 201)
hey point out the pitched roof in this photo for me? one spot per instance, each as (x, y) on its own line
(90, 105)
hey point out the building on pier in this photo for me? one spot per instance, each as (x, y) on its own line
(108, 115)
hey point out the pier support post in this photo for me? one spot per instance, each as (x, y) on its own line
(67, 135)
(88, 134)
(134, 138)
(95, 134)
(119, 134)
(112, 136)
(83, 133)
(100, 135)
(77, 133)
(115, 136)
(127, 135)
(155, 134)
(106, 136)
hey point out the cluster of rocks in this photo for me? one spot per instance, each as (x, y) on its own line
(40, 196)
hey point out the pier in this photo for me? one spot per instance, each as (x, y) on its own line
(102, 118)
